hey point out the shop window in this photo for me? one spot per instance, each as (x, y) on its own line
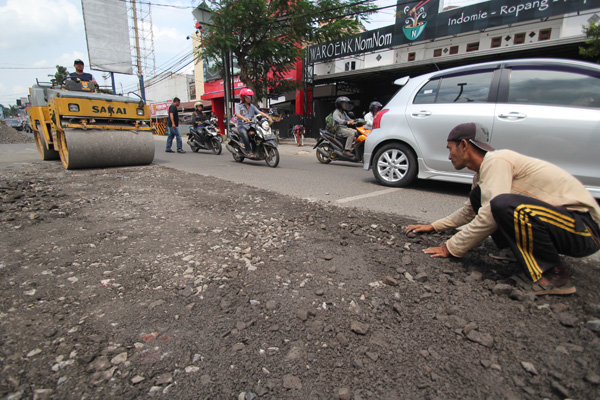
(437, 53)
(545, 34)
(473, 46)
(454, 50)
(496, 42)
(519, 38)
(412, 56)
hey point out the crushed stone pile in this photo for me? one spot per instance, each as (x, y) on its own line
(9, 135)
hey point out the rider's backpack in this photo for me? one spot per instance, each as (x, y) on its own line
(329, 125)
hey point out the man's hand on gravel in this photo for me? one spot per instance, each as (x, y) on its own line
(419, 228)
(441, 251)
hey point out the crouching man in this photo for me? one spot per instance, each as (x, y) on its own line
(531, 206)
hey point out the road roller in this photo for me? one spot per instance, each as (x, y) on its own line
(85, 129)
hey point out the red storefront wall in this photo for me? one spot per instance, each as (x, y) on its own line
(214, 90)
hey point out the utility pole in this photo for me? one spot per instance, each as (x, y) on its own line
(137, 50)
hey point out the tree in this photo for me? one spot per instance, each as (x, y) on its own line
(12, 111)
(266, 37)
(592, 48)
(61, 74)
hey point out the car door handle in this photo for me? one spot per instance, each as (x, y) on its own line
(421, 114)
(512, 115)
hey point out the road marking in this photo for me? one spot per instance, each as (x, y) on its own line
(367, 195)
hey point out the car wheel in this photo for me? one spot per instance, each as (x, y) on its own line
(395, 165)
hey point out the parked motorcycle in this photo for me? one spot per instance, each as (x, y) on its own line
(262, 140)
(205, 136)
(330, 147)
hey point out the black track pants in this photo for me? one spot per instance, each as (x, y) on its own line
(538, 232)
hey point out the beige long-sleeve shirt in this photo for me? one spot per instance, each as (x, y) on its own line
(505, 171)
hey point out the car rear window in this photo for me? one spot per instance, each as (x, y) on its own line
(552, 87)
(467, 88)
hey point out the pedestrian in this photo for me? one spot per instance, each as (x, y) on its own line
(173, 124)
(531, 206)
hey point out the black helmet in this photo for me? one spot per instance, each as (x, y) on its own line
(341, 100)
(375, 105)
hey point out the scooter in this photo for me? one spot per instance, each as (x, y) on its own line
(213, 129)
(262, 140)
(330, 147)
(205, 136)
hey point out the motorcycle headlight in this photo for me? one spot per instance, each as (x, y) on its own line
(265, 125)
(73, 107)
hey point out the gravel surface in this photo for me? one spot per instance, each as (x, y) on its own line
(9, 135)
(146, 282)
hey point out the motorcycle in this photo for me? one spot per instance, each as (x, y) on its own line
(205, 136)
(213, 129)
(330, 147)
(262, 140)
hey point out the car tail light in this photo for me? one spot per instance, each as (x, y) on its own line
(377, 120)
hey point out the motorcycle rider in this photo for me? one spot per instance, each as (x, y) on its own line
(245, 111)
(341, 123)
(198, 116)
(197, 119)
(374, 108)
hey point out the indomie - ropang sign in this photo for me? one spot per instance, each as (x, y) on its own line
(421, 20)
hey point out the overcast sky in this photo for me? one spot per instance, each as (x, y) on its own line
(37, 35)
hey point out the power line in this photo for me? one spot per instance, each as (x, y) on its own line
(19, 68)
(160, 5)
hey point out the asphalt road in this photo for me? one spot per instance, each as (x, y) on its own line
(299, 174)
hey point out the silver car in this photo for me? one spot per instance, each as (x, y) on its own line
(544, 108)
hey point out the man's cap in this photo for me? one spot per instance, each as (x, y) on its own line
(78, 61)
(476, 134)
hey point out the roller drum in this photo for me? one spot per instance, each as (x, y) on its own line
(95, 148)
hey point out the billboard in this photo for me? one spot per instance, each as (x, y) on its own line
(421, 20)
(160, 109)
(107, 33)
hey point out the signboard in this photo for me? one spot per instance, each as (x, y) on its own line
(107, 33)
(421, 20)
(212, 72)
(160, 109)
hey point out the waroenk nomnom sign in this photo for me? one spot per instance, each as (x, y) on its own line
(421, 20)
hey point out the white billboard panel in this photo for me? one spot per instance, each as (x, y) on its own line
(107, 33)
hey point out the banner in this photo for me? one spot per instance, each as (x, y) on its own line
(160, 109)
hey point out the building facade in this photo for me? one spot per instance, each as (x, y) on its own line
(425, 39)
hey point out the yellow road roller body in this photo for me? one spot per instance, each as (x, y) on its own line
(90, 130)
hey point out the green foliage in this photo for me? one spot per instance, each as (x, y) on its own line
(592, 45)
(61, 74)
(11, 111)
(267, 37)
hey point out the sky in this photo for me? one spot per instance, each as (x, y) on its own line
(40, 34)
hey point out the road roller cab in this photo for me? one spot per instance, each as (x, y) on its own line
(89, 130)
